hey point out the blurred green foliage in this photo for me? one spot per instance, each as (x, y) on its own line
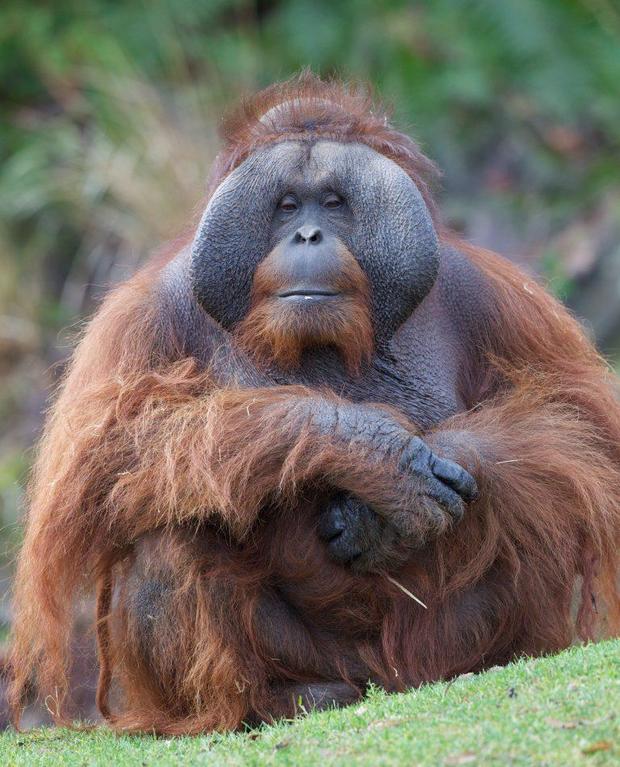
(109, 113)
(518, 98)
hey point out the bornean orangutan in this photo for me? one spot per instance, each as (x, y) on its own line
(321, 406)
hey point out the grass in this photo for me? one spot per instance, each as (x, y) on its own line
(562, 710)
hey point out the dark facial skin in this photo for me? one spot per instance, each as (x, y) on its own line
(306, 225)
(309, 292)
(383, 222)
(296, 206)
(385, 225)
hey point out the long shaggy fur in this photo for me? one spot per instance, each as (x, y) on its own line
(149, 462)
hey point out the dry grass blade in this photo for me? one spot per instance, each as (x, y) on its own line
(406, 591)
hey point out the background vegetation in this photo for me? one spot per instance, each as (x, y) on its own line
(108, 123)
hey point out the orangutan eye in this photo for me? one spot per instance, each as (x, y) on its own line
(288, 203)
(332, 201)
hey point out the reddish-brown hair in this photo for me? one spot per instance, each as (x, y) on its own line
(306, 108)
(141, 444)
(271, 333)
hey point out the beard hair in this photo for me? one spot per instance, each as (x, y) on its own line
(276, 333)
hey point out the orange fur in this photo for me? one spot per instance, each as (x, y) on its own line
(141, 451)
(314, 109)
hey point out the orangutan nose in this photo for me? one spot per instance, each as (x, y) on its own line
(308, 235)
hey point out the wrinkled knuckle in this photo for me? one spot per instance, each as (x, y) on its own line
(467, 487)
(412, 452)
(473, 489)
(457, 511)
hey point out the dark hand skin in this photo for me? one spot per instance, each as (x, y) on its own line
(358, 537)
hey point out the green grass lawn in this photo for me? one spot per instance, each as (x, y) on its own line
(562, 710)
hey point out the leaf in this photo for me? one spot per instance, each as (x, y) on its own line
(467, 757)
(599, 745)
(282, 744)
(562, 725)
(393, 722)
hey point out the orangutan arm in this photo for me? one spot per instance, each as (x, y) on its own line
(173, 455)
(541, 436)
(136, 441)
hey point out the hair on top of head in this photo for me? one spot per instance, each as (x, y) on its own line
(307, 108)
